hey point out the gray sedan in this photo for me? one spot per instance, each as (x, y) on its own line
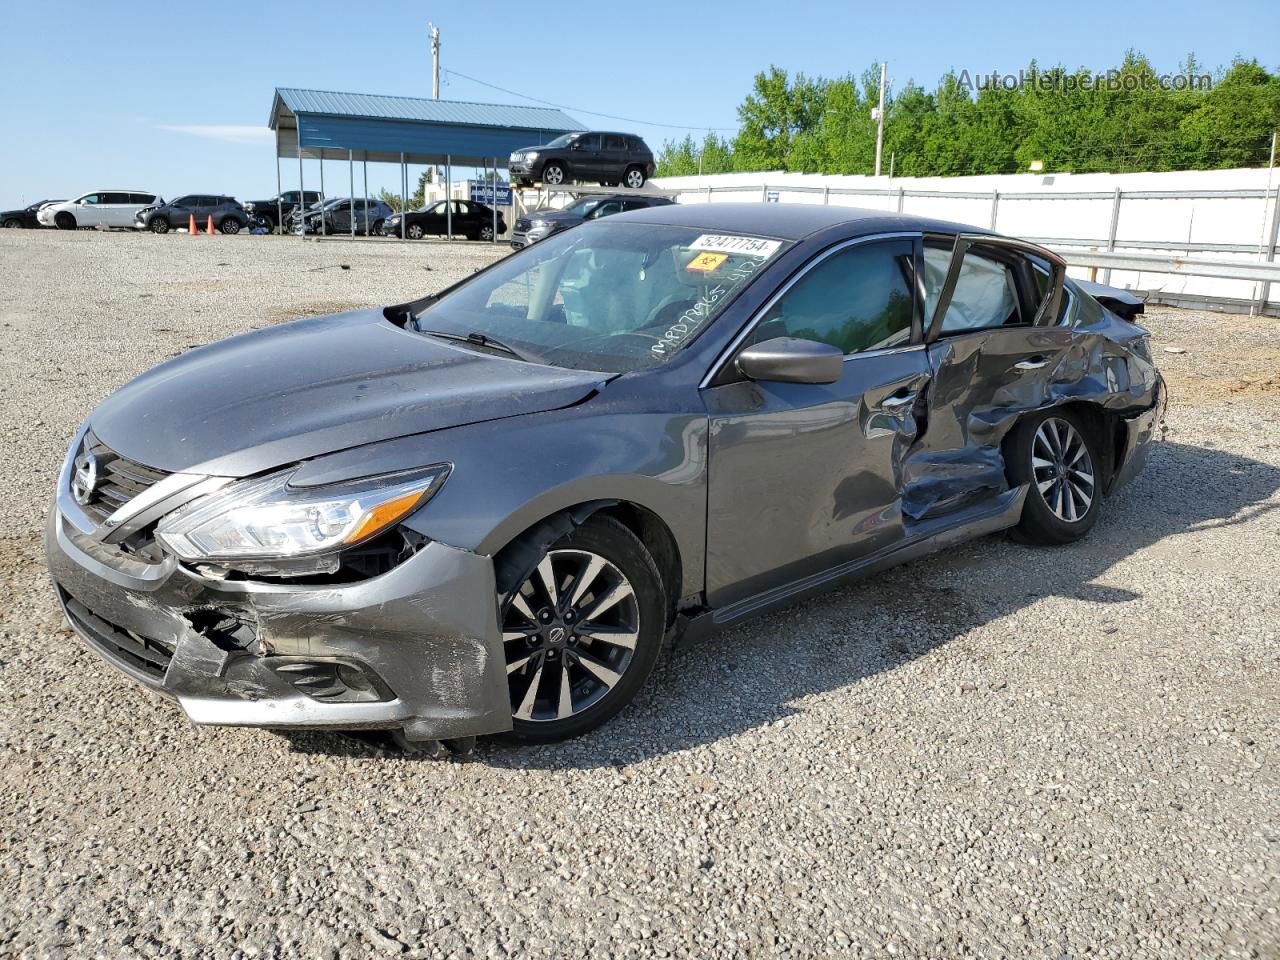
(487, 510)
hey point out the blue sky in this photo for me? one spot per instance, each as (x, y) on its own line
(174, 96)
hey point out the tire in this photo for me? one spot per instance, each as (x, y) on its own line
(414, 232)
(554, 174)
(65, 221)
(12, 223)
(158, 225)
(1057, 456)
(377, 227)
(485, 233)
(268, 223)
(549, 653)
(230, 226)
(634, 178)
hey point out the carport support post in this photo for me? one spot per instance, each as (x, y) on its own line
(302, 191)
(366, 194)
(494, 183)
(448, 194)
(404, 193)
(351, 169)
(1111, 235)
(324, 230)
(279, 202)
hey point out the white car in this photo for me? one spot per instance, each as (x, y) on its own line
(101, 208)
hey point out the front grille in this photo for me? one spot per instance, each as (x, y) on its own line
(522, 225)
(120, 480)
(135, 653)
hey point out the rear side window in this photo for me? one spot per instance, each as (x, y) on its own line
(858, 299)
(142, 198)
(636, 144)
(614, 143)
(115, 198)
(985, 295)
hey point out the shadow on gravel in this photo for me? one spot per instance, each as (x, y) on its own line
(749, 676)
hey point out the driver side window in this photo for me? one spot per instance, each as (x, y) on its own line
(858, 299)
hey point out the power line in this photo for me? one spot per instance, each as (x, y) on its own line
(594, 113)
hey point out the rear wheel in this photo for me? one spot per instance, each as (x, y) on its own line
(12, 223)
(634, 178)
(65, 221)
(1056, 455)
(582, 631)
(230, 225)
(377, 227)
(485, 232)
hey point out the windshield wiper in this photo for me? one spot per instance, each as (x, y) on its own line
(481, 340)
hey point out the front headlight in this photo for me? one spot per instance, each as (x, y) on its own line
(267, 519)
(531, 155)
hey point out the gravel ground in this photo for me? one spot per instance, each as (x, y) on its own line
(998, 751)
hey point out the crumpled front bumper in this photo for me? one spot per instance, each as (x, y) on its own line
(424, 635)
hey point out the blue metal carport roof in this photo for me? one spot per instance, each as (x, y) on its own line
(382, 128)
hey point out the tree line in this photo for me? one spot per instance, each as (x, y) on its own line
(1126, 119)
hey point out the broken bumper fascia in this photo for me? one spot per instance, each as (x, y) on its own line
(1139, 435)
(426, 632)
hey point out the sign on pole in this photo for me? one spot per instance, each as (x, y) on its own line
(486, 191)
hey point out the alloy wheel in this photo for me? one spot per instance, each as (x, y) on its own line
(486, 233)
(569, 634)
(1063, 470)
(415, 232)
(553, 175)
(634, 178)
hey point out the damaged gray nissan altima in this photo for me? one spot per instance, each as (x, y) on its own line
(485, 510)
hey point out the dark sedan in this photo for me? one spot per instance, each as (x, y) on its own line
(541, 224)
(26, 217)
(487, 509)
(466, 218)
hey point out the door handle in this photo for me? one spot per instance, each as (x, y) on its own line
(1031, 363)
(897, 402)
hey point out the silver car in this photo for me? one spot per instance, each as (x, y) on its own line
(487, 510)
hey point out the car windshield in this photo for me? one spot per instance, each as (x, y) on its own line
(607, 296)
(564, 140)
(584, 206)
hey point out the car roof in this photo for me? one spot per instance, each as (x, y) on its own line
(788, 221)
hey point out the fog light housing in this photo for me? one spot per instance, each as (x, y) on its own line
(332, 681)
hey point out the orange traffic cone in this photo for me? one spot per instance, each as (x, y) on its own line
(209, 228)
(191, 227)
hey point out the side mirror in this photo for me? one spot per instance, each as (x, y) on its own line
(791, 360)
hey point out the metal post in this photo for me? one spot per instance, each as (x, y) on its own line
(365, 162)
(893, 155)
(302, 190)
(279, 202)
(351, 169)
(494, 185)
(1265, 293)
(324, 231)
(448, 196)
(1111, 235)
(404, 193)
(995, 207)
(884, 67)
(1265, 290)
(902, 196)
(708, 193)
(764, 193)
(826, 196)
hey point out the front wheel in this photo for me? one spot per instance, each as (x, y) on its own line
(553, 174)
(65, 221)
(230, 226)
(1056, 455)
(582, 631)
(158, 225)
(414, 232)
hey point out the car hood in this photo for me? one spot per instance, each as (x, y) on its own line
(303, 389)
(554, 216)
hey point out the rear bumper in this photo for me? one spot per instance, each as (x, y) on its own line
(417, 648)
(1139, 435)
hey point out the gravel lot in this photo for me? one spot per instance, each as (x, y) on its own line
(999, 751)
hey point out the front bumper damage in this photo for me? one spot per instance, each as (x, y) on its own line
(416, 649)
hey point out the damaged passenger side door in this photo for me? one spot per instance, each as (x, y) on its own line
(997, 341)
(806, 476)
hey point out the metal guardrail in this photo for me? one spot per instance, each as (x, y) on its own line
(1189, 266)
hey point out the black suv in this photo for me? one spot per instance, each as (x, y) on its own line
(607, 158)
(268, 213)
(540, 224)
(228, 216)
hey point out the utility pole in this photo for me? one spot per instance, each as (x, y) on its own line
(878, 115)
(435, 88)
